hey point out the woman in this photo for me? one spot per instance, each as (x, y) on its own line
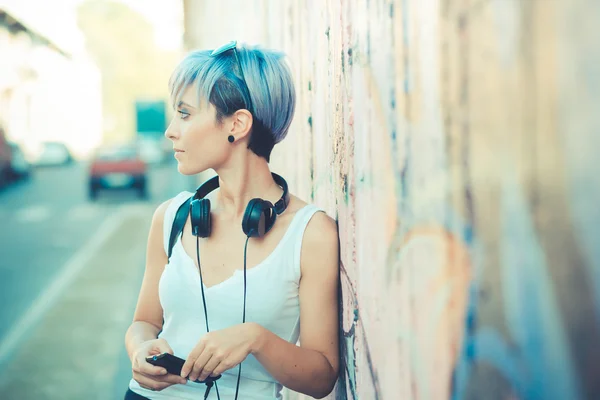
(233, 105)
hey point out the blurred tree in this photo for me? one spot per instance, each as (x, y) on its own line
(133, 67)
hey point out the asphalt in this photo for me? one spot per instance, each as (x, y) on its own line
(70, 273)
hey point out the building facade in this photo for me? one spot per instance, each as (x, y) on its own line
(46, 92)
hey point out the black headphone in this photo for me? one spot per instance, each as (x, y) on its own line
(259, 217)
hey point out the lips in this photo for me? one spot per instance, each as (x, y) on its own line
(178, 151)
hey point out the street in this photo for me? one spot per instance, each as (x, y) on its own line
(70, 273)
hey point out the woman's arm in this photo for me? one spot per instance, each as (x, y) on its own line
(311, 369)
(141, 337)
(147, 319)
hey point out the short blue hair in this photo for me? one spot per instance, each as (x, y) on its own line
(269, 95)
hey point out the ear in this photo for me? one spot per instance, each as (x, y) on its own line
(241, 124)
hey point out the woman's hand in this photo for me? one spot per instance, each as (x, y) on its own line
(221, 350)
(150, 376)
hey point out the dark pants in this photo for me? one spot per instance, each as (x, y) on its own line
(133, 396)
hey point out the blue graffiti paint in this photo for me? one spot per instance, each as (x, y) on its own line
(348, 354)
(530, 304)
(539, 365)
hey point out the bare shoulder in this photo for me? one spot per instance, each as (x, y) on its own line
(320, 244)
(159, 213)
(155, 249)
(321, 233)
(320, 227)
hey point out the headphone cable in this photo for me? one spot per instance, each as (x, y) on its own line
(237, 387)
(208, 386)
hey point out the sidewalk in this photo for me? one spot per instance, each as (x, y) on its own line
(76, 351)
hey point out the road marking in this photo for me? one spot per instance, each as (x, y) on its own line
(67, 274)
(82, 212)
(36, 213)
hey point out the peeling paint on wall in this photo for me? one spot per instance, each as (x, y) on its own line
(455, 142)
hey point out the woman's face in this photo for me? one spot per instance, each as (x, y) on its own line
(198, 140)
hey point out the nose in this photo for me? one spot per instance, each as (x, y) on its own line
(172, 132)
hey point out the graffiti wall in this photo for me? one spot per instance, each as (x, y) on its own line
(455, 142)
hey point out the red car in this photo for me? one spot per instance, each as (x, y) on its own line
(118, 168)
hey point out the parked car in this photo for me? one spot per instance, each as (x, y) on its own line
(19, 166)
(118, 167)
(53, 153)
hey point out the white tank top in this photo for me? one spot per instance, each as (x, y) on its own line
(271, 301)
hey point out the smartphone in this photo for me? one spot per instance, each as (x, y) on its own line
(173, 365)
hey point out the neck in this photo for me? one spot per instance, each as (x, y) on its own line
(243, 180)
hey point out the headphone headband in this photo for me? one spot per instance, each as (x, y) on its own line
(278, 207)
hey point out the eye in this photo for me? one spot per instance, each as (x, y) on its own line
(183, 114)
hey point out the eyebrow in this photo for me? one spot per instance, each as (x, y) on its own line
(183, 103)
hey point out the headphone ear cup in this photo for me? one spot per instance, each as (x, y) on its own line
(200, 217)
(253, 223)
(269, 215)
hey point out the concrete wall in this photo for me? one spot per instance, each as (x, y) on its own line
(455, 141)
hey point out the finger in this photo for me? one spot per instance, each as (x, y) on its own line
(222, 367)
(168, 378)
(152, 370)
(142, 366)
(174, 379)
(199, 364)
(191, 359)
(149, 383)
(210, 366)
(232, 360)
(146, 368)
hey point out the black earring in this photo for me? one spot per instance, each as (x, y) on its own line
(231, 138)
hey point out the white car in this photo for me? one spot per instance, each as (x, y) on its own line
(151, 151)
(53, 153)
